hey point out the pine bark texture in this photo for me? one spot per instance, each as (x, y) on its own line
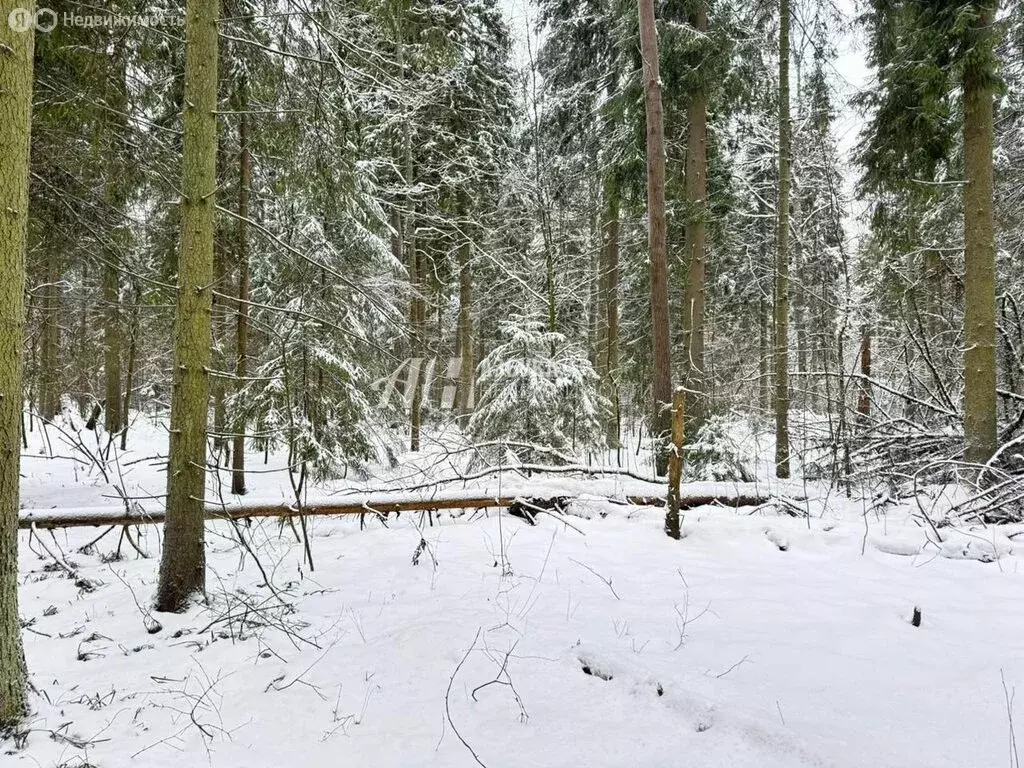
(661, 384)
(16, 51)
(782, 256)
(980, 250)
(695, 244)
(182, 566)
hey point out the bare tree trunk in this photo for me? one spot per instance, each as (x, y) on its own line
(661, 385)
(782, 257)
(82, 361)
(114, 124)
(416, 316)
(183, 560)
(801, 321)
(675, 463)
(112, 344)
(416, 344)
(218, 326)
(597, 330)
(980, 251)
(242, 317)
(610, 300)
(695, 248)
(133, 347)
(16, 50)
(438, 355)
(864, 395)
(50, 378)
(417, 312)
(467, 366)
(763, 375)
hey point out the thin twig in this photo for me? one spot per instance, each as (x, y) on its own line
(602, 578)
(447, 708)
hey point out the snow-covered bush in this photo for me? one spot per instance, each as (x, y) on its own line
(537, 390)
(309, 398)
(716, 454)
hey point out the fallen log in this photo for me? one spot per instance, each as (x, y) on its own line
(692, 502)
(56, 518)
(372, 504)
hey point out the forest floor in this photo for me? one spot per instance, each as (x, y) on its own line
(758, 640)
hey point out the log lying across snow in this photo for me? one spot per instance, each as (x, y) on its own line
(368, 504)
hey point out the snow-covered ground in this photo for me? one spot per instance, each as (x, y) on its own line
(758, 640)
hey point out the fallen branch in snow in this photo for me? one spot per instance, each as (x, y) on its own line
(530, 469)
(1009, 693)
(744, 660)
(602, 578)
(380, 503)
(447, 707)
(721, 500)
(504, 678)
(58, 561)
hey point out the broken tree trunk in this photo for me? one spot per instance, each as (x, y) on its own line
(675, 463)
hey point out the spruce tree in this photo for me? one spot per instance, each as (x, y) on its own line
(979, 236)
(661, 384)
(16, 58)
(930, 55)
(183, 561)
(695, 247)
(781, 356)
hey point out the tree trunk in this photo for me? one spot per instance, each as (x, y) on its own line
(129, 378)
(464, 390)
(112, 343)
(82, 361)
(182, 565)
(549, 282)
(801, 321)
(50, 379)
(782, 257)
(114, 124)
(675, 464)
(218, 385)
(979, 252)
(416, 310)
(661, 385)
(610, 300)
(695, 248)
(597, 329)
(864, 395)
(242, 317)
(15, 118)
(416, 315)
(763, 375)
